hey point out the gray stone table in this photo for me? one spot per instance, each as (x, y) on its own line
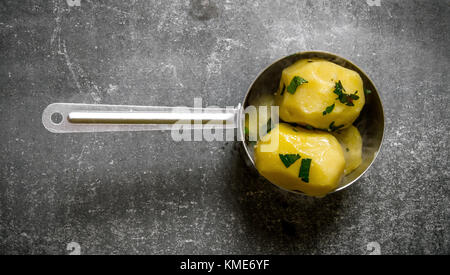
(142, 193)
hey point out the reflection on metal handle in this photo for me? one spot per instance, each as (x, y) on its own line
(145, 117)
(107, 118)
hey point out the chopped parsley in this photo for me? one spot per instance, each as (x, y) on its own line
(333, 128)
(338, 88)
(282, 90)
(304, 170)
(343, 97)
(367, 91)
(328, 109)
(309, 127)
(289, 159)
(269, 125)
(352, 97)
(296, 81)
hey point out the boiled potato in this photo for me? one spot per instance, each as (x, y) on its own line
(321, 148)
(257, 121)
(351, 143)
(308, 103)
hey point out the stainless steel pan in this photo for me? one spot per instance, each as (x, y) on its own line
(72, 118)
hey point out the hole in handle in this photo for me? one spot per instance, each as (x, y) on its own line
(56, 118)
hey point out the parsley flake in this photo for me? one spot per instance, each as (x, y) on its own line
(343, 97)
(304, 170)
(333, 128)
(328, 109)
(289, 159)
(282, 90)
(296, 81)
(269, 125)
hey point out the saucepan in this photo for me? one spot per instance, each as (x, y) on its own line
(76, 118)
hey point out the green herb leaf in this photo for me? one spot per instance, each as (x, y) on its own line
(269, 125)
(282, 90)
(331, 125)
(295, 82)
(328, 109)
(354, 96)
(338, 88)
(333, 128)
(343, 97)
(304, 170)
(309, 127)
(289, 159)
(367, 91)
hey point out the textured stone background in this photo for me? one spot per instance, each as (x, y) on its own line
(143, 193)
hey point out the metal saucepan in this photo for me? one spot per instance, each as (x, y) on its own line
(72, 117)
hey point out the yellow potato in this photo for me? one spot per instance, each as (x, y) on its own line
(310, 100)
(325, 152)
(351, 142)
(257, 121)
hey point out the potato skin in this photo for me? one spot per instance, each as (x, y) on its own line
(351, 143)
(327, 164)
(306, 105)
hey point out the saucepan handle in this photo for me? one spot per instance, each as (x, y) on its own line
(73, 117)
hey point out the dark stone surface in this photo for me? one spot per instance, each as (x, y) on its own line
(144, 193)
